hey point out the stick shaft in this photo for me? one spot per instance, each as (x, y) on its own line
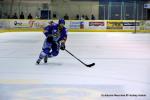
(75, 57)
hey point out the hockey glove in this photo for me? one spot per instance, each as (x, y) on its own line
(62, 46)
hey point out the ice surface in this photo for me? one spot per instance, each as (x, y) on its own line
(122, 67)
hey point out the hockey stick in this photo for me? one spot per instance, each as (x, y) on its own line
(87, 65)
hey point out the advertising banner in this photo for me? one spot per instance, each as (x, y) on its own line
(28, 23)
(76, 24)
(4, 24)
(37, 23)
(97, 25)
(145, 25)
(130, 25)
(115, 24)
(19, 24)
(79, 24)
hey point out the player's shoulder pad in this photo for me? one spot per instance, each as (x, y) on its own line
(55, 25)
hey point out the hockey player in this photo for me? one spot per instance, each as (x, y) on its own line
(56, 36)
(46, 33)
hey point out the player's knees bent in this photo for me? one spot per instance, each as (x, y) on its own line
(42, 55)
(55, 53)
(46, 51)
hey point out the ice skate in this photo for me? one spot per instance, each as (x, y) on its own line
(45, 59)
(38, 61)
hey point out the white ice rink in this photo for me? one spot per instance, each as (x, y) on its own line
(122, 67)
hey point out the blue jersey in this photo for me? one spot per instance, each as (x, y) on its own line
(57, 34)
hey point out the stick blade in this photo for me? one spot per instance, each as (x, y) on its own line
(90, 65)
